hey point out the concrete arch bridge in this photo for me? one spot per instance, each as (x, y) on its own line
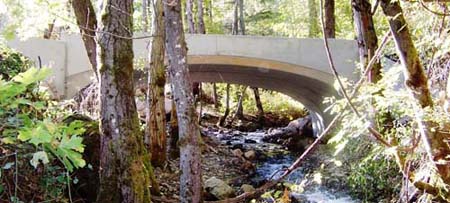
(296, 67)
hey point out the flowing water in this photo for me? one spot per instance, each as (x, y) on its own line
(279, 158)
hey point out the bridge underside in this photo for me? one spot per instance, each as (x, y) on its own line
(310, 92)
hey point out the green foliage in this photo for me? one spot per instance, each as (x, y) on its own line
(32, 131)
(374, 178)
(283, 106)
(378, 176)
(11, 63)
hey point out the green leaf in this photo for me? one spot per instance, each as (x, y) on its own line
(40, 135)
(37, 157)
(24, 135)
(74, 143)
(8, 140)
(32, 75)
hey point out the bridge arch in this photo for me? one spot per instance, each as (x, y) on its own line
(303, 84)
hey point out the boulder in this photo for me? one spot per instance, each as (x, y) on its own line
(250, 155)
(218, 188)
(238, 152)
(247, 188)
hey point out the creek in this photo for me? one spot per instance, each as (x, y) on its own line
(271, 158)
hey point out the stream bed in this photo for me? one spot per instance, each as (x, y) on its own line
(272, 158)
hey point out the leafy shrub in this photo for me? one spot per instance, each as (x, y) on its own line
(40, 151)
(377, 176)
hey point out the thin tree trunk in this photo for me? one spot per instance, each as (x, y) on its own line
(259, 106)
(417, 82)
(189, 16)
(330, 20)
(145, 15)
(216, 99)
(125, 171)
(313, 19)
(201, 105)
(189, 132)
(227, 107)
(156, 123)
(240, 109)
(241, 17)
(366, 36)
(87, 22)
(200, 21)
(234, 27)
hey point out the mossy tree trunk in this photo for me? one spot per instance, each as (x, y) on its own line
(87, 22)
(366, 36)
(189, 132)
(124, 168)
(417, 82)
(156, 123)
(330, 20)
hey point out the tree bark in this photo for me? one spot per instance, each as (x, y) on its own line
(156, 123)
(313, 19)
(241, 17)
(200, 21)
(234, 26)
(189, 132)
(125, 169)
(87, 22)
(189, 16)
(366, 37)
(259, 106)
(417, 82)
(240, 109)
(330, 20)
(227, 107)
(216, 99)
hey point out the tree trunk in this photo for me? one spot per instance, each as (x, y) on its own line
(330, 20)
(189, 132)
(216, 99)
(313, 19)
(241, 17)
(227, 107)
(259, 106)
(189, 17)
(156, 123)
(87, 22)
(200, 21)
(145, 15)
(234, 26)
(240, 109)
(366, 37)
(417, 82)
(125, 171)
